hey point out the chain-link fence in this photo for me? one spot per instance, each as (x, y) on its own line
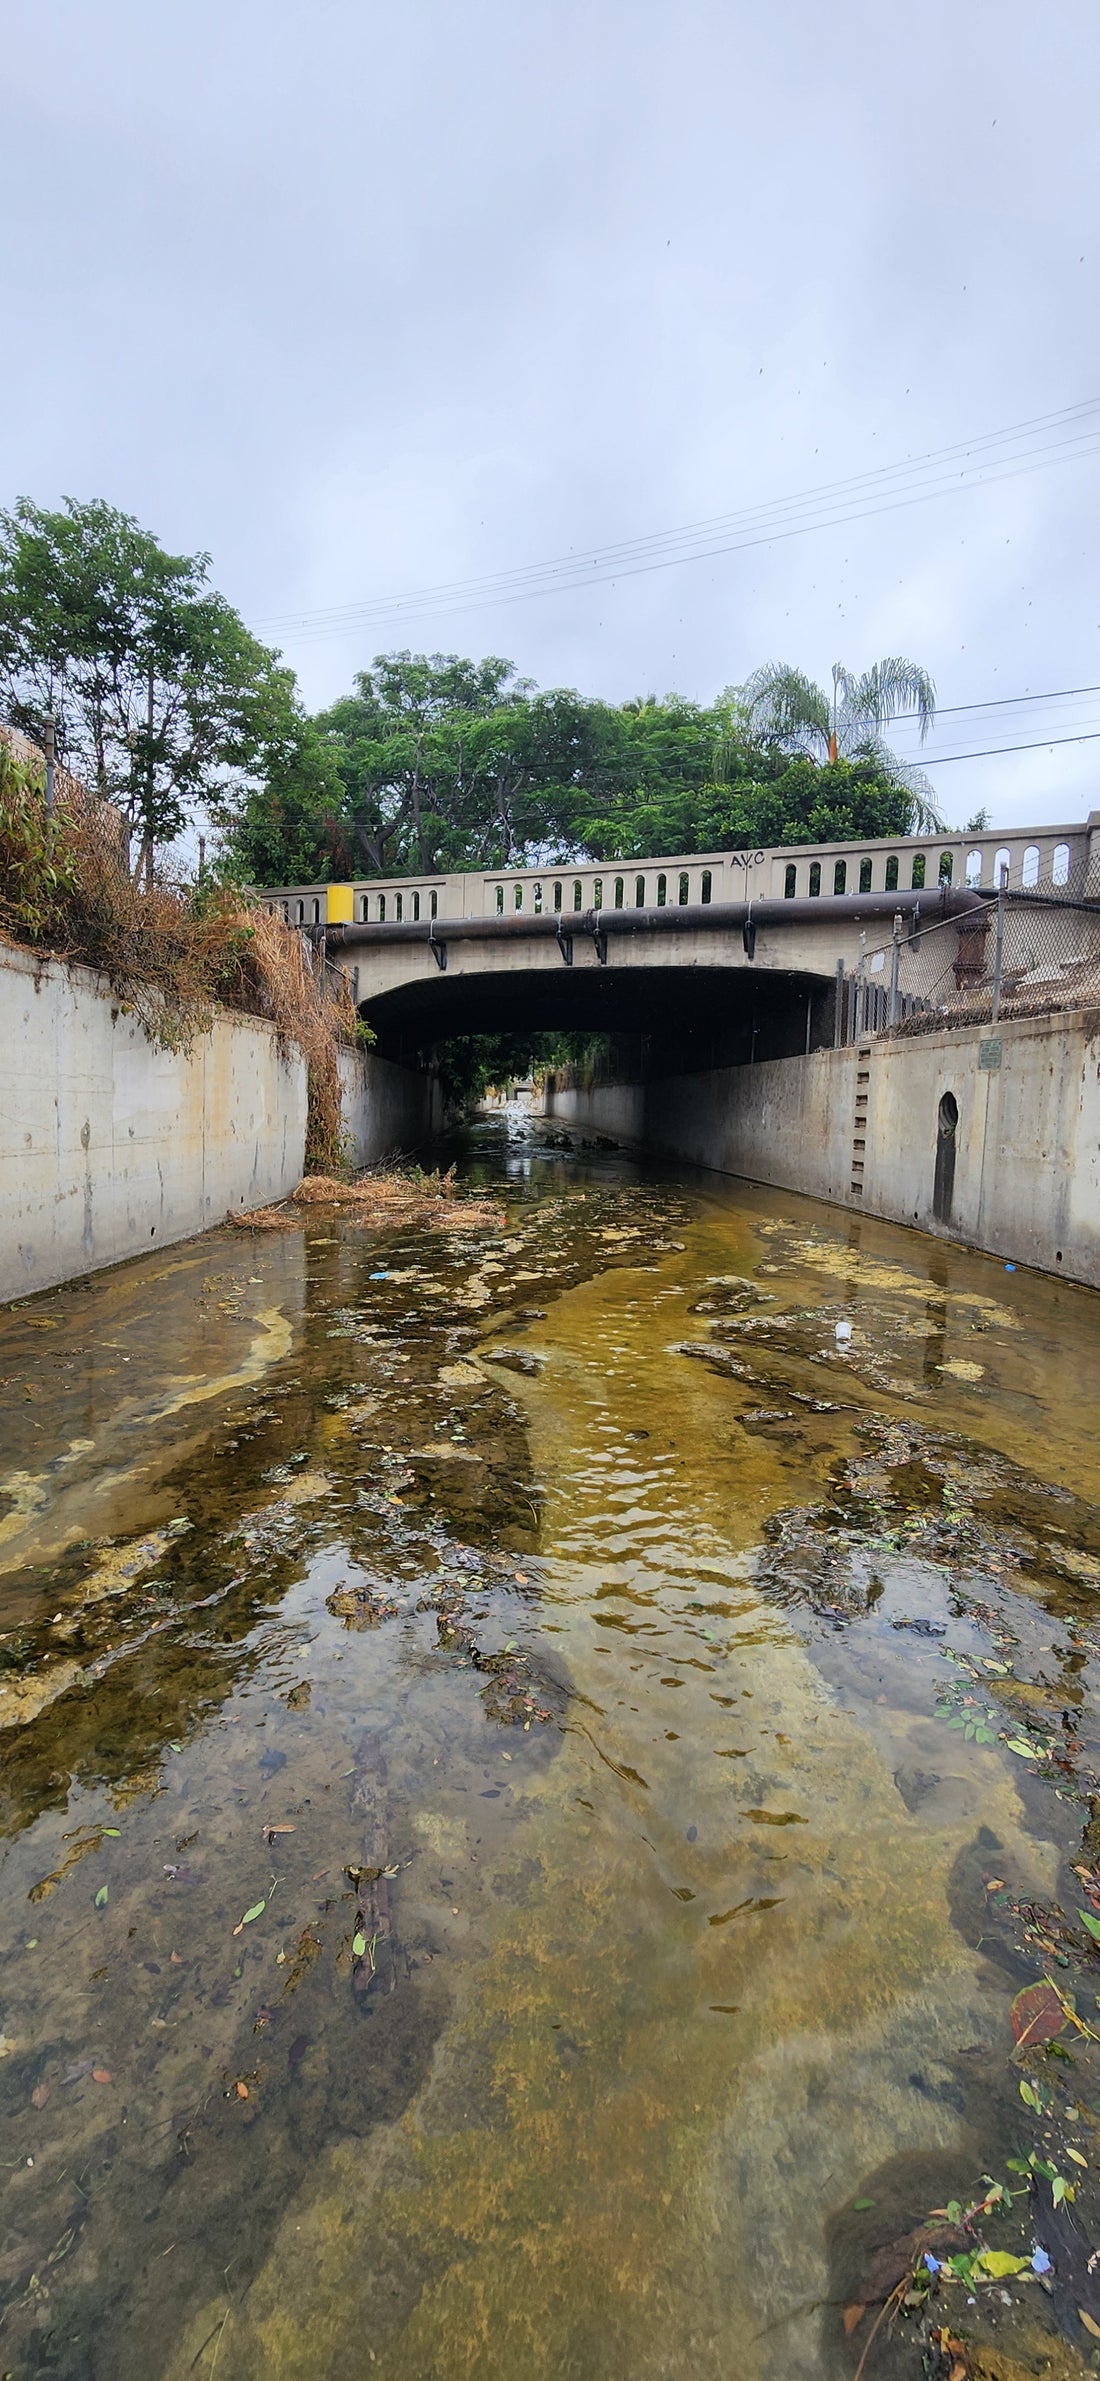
(1010, 954)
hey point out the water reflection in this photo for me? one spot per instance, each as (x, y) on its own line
(666, 1844)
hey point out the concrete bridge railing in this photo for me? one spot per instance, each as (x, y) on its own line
(1047, 858)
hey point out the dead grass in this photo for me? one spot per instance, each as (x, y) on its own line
(391, 1197)
(171, 952)
(380, 1202)
(263, 1219)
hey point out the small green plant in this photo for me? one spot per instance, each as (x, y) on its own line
(37, 863)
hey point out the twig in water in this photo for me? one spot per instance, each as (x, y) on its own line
(894, 2301)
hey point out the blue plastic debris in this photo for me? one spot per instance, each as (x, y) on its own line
(1040, 2263)
(378, 1277)
(1010, 1268)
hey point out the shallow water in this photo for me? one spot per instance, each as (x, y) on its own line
(698, 1921)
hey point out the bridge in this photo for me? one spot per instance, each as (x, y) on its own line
(759, 953)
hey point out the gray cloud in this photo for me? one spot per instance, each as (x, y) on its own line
(362, 300)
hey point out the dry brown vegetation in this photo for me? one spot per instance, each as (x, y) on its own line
(380, 1202)
(170, 952)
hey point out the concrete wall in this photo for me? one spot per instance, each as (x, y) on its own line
(109, 1148)
(859, 1127)
(385, 1107)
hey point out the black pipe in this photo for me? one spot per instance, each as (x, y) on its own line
(936, 901)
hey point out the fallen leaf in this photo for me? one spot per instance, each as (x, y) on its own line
(1089, 2324)
(1039, 2014)
(1078, 2160)
(257, 1910)
(358, 1945)
(853, 2316)
(40, 2095)
(998, 2263)
(1090, 1924)
(280, 1827)
(242, 2091)
(101, 1898)
(111, 1831)
(102, 2075)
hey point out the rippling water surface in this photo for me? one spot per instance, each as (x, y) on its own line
(532, 1772)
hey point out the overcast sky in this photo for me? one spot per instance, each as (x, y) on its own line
(363, 300)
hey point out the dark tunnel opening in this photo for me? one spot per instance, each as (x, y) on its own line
(656, 1021)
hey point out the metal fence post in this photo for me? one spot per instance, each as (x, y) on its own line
(1000, 944)
(895, 963)
(50, 748)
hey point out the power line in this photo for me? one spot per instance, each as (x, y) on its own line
(1001, 702)
(900, 485)
(608, 553)
(1041, 744)
(557, 583)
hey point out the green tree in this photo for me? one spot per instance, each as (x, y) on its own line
(401, 745)
(435, 763)
(160, 695)
(780, 705)
(290, 829)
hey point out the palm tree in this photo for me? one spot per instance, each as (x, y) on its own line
(784, 707)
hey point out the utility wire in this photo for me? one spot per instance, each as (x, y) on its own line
(991, 752)
(1070, 434)
(1001, 702)
(1071, 416)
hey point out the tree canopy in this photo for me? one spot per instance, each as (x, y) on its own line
(437, 763)
(160, 696)
(784, 707)
(168, 705)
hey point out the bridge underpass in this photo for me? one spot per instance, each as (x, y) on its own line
(708, 959)
(659, 1019)
(705, 983)
(817, 1018)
